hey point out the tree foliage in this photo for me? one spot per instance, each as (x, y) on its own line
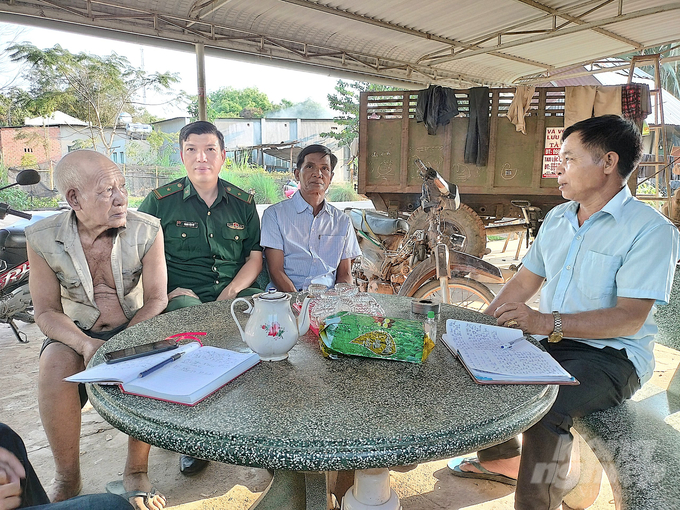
(346, 101)
(230, 103)
(15, 106)
(92, 88)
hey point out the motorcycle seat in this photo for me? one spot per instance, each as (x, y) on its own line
(377, 223)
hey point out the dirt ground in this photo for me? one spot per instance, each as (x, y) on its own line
(103, 448)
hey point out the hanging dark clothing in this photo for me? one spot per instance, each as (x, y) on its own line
(436, 106)
(477, 141)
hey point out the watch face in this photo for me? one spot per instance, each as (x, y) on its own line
(554, 337)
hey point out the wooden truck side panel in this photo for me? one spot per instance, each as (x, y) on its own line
(390, 139)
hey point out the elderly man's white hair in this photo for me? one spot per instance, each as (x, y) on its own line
(72, 170)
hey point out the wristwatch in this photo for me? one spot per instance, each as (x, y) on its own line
(556, 335)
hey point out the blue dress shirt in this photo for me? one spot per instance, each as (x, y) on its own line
(312, 246)
(627, 249)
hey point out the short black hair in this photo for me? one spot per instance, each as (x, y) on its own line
(314, 149)
(200, 127)
(610, 133)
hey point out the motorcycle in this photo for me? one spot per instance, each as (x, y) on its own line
(420, 255)
(15, 299)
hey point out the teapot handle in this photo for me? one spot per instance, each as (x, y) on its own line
(247, 310)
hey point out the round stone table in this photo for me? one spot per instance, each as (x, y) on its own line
(309, 414)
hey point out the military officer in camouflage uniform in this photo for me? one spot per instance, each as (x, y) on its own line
(211, 230)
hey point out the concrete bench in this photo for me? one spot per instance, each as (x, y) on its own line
(638, 442)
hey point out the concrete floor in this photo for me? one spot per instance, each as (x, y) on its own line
(429, 486)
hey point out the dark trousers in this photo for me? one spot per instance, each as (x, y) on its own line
(33, 495)
(606, 378)
(477, 141)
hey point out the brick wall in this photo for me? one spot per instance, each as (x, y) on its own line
(17, 141)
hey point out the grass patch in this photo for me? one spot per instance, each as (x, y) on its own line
(342, 192)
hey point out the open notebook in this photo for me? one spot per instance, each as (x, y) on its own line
(200, 371)
(498, 355)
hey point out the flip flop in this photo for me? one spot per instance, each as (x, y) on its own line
(116, 487)
(485, 474)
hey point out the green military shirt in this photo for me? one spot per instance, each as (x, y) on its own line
(204, 246)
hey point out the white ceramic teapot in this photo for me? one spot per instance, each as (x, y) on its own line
(272, 329)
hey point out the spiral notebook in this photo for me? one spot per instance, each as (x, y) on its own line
(498, 355)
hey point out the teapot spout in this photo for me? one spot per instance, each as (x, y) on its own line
(303, 318)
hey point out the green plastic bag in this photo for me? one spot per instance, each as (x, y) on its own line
(355, 334)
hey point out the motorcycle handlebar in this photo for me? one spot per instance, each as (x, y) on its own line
(5, 209)
(21, 214)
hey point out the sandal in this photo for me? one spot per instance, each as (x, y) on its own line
(117, 488)
(484, 474)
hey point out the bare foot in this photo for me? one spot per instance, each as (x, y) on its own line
(141, 482)
(507, 467)
(61, 490)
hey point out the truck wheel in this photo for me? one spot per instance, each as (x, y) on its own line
(464, 221)
(463, 292)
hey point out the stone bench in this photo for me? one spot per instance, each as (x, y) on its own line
(638, 442)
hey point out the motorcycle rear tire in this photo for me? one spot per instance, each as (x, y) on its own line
(464, 292)
(26, 316)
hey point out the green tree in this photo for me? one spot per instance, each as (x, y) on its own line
(230, 103)
(89, 87)
(15, 106)
(346, 101)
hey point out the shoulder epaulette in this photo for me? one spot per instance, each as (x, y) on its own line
(168, 189)
(237, 192)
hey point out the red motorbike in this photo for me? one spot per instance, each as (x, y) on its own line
(15, 299)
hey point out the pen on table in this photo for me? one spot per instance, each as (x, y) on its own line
(511, 343)
(151, 370)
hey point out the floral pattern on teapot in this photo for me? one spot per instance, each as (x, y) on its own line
(274, 329)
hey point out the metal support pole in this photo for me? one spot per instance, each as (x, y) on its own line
(200, 75)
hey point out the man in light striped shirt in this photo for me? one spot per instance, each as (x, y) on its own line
(307, 240)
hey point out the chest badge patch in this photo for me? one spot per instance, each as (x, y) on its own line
(186, 224)
(236, 226)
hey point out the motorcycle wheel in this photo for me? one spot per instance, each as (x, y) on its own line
(464, 292)
(26, 316)
(464, 221)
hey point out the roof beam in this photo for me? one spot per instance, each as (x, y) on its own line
(201, 8)
(580, 21)
(557, 33)
(398, 28)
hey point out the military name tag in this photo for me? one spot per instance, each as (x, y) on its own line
(236, 226)
(187, 224)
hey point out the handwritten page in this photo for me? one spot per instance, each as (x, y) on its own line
(193, 372)
(124, 371)
(200, 371)
(493, 354)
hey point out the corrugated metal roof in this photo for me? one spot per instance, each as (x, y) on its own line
(461, 43)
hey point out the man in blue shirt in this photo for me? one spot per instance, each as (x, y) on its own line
(307, 240)
(601, 261)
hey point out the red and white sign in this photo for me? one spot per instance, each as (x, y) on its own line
(551, 153)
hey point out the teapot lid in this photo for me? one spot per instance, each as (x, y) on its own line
(273, 295)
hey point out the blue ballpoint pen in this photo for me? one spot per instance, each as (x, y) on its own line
(511, 343)
(151, 370)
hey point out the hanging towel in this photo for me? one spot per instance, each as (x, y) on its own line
(519, 108)
(583, 102)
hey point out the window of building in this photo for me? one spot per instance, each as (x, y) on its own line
(28, 149)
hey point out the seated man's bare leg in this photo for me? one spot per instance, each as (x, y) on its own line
(136, 476)
(59, 405)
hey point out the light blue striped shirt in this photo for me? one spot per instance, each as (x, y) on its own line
(312, 246)
(626, 250)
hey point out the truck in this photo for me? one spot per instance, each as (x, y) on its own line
(519, 181)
